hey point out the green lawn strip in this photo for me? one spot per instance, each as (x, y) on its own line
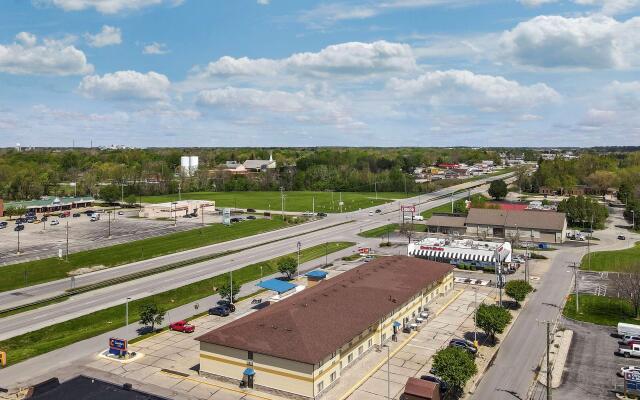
(294, 201)
(600, 310)
(613, 261)
(378, 232)
(444, 208)
(53, 337)
(50, 269)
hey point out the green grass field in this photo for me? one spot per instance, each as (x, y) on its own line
(378, 232)
(49, 269)
(56, 336)
(612, 260)
(600, 310)
(294, 201)
(445, 208)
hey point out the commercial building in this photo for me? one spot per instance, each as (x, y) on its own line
(300, 347)
(51, 204)
(467, 251)
(260, 165)
(521, 225)
(175, 209)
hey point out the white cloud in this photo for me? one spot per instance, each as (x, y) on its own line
(155, 48)
(305, 107)
(586, 42)
(108, 6)
(353, 59)
(126, 85)
(51, 57)
(625, 94)
(108, 36)
(536, 3)
(264, 2)
(611, 7)
(464, 88)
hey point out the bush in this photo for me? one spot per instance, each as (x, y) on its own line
(518, 289)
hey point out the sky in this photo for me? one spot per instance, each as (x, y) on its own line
(219, 73)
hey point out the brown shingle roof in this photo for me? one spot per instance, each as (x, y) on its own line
(421, 388)
(446, 220)
(312, 324)
(522, 219)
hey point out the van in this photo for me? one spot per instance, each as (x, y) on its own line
(628, 329)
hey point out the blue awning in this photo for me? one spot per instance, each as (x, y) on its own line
(276, 285)
(316, 274)
(397, 324)
(249, 372)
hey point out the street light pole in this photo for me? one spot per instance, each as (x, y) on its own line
(388, 375)
(109, 219)
(298, 269)
(260, 273)
(67, 255)
(325, 254)
(126, 315)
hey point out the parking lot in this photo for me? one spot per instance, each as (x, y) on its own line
(44, 240)
(590, 374)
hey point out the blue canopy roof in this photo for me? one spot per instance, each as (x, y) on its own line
(276, 285)
(249, 372)
(397, 324)
(316, 274)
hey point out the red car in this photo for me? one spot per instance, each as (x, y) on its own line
(182, 326)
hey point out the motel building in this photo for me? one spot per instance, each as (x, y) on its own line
(300, 346)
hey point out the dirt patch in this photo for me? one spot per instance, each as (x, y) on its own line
(82, 271)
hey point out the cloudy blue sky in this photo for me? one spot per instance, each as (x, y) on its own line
(305, 73)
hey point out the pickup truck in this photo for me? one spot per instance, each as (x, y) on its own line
(630, 351)
(182, 326)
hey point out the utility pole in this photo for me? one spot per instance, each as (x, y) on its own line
(325, 254)
(282, 201)
(18, 243)
(109, 219)
(548, 360)
(313, 205)
(121, 193)
(179, 191)
(340, 202)
(298, 269)
(126, 313)
(67, 255)
(375, 188)
(475, 319)
(575, 286)
(231, 286)
(451, 202)
(589, 244)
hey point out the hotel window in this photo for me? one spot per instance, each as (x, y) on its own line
(250, 355)
(350, 358)
(360, 350)
(370, 343)
(332, 376)
(320, 386)
(384, 337)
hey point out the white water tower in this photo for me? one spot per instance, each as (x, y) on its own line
(188, 165)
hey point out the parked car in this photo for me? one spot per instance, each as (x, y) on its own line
(20, 221)
(378, 211)
(187, 216)
(3, 224)
(76, 215)
(321, 214)
(251, 217)
(120, 213)
(629, 368)
(464, 344)
(628, 329)
(182, 326)
(627, 339)
(88, 212)
(370, 213)
(220, 311)
(235, 219)
(632, 351)
(442, 385)
(55, 222)
(251, 210)
(587, 230)
(30, 220)
(622, 237)
(225, 303)
(18, 228)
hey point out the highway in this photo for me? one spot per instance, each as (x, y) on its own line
(102, 298)
(512, 373)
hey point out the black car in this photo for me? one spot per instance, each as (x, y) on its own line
(321, 214)
(187, 216)
(251, 217)
(88, 212)
(235, 219)
(251, 210)
(30, 220)
(378, 211)
(3, 224)
(225, 303)
(221, 311)
(20, 221)
(464, 344)
(622, 237)
(441, 384)
(76, 215)
(19, 228)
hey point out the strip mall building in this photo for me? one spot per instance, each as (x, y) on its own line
(299, 347)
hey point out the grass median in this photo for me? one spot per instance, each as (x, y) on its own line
(379, 232)
(29, 273)
(600, 310)
(56, 336)
(612, 261)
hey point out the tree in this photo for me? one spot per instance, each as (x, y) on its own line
(455, 366)
(600, 181)
(287, 266)
(627, 285)
(110, 194)
(15, 211)
(225, 291)
(151, 314)
(498, 189)
(492, 319)
(518, 289)
(130, 200)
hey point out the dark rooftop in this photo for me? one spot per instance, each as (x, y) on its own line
(85, 388)
(312, 324)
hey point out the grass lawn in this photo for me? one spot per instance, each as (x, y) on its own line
(49, 269)
(600, 310)
(614, 260)
(294, 201)
(53, 337)
(378, 232)
(444, 208)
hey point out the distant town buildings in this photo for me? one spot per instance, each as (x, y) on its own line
(453, 171)
(260, 165)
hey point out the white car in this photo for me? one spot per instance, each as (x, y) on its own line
(55, 222)
(371, 213)
(628, 369)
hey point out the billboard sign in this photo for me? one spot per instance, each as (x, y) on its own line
(364, 251)
(118, 346)
(434, 248)
(411, 209)
(226, 216)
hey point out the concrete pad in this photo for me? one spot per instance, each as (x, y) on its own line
(379, 386)
(185, 385)
(392, 377)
